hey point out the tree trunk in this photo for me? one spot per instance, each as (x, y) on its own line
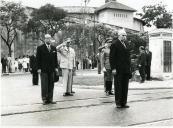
(9, 50)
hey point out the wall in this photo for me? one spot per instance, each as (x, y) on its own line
(156, 47)
(138, 26)
(116, 17)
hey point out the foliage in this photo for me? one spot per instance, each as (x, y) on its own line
(81, 38)
(135, 41)
(102, 32)
(12, 19)
(157, 15)
(47, 19)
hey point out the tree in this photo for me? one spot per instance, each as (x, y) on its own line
(47, 19)
(157, 15)
(102, 32)
(81, 38)
(135, 41)
(12, 19)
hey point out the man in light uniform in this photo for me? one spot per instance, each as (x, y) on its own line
(67, 64)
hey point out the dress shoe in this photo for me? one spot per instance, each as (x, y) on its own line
(67, 94)
(45, 103)
(52, 102)
(72, 92)
(122, 106)
(142, 81)
(125, 106)
(119, 106)
(111, 93)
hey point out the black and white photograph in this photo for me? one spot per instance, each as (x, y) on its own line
(87, 63)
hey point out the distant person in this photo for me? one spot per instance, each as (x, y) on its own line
(67, 64)
(120, 66)
(77, 64)
(27, 61)
(4, 64)
(9, 64)
(16, 64)
(47, 65)
(89, 63)
(34, 68)
(24, 63)
(20, 63)
(93, 62)
(142, 63)
(108, 77)
(148, 62)
(84, 63)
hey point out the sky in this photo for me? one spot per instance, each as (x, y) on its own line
(136, 4)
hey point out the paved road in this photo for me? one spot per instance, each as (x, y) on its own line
(150, 105)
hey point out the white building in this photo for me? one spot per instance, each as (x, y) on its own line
(118, 14)
(111, 13)
(161, 45)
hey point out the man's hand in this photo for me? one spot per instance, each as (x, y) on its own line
(56, 71)
(64, 43)
(104, 69)
(39, 71)
(114, 72)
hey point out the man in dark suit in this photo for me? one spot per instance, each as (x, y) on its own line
(120, 66)
(148, 62)
(142, 63)
(47, 65)
(33, 68)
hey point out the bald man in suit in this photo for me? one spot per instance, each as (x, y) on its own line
(47, 65)
(120, 66)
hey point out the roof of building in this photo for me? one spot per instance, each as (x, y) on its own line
(161, 30)
(115, 5)
(78, 9)
(140, 20)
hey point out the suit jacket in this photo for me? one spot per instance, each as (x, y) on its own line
(148, 58)
(142, 59)
(46, 61)
(119, 57)
(105, 58)
(33, 63)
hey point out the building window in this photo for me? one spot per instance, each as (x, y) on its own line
(154, 35)
(167, 35)
(167, 62)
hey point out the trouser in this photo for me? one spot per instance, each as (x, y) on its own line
(108, 80)
(142, 72)
(35, 78)
(67, 79)
(147, 71)
(3, 68)
(121, 82)
(47, 86)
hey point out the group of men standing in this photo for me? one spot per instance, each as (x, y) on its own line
(119, 66)
(116, 64)
(47, 65)
(144, 63)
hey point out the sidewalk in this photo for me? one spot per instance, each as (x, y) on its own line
(15, 73)
(21, 104)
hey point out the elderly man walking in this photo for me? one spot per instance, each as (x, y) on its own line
(47, 65)
(67, 64)
(120, 66)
